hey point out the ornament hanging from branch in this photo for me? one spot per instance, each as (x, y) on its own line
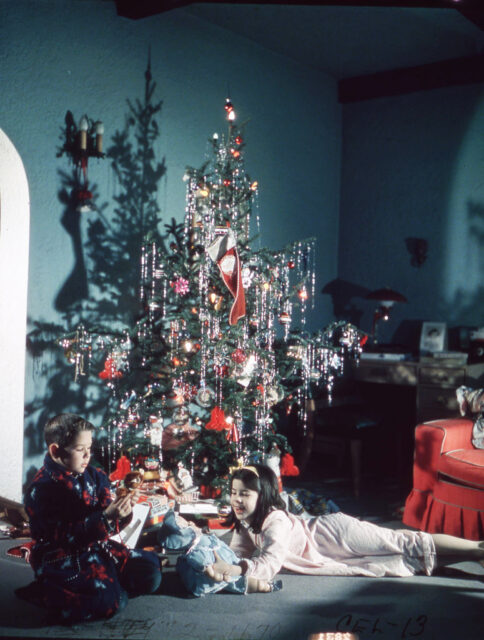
(223, 252)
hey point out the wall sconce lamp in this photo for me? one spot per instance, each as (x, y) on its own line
(385, 298)
(82, 142)
(417, 248)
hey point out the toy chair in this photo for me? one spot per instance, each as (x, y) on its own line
(448, 480)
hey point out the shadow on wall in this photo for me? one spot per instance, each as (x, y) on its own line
(342, 293)
(101, 291)
(466, 308)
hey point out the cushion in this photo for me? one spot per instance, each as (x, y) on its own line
(463, 465)
(471, 401)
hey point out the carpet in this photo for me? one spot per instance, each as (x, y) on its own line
(449, 606)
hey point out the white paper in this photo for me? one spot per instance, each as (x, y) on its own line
(199, 508)
(131, 532)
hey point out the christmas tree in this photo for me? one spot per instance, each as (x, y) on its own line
(214, 348)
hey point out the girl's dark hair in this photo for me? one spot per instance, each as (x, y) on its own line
(266, 485)
(63, 429)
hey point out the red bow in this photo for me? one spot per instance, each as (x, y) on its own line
(217, 420)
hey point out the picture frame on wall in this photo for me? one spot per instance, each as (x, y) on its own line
(433, 337)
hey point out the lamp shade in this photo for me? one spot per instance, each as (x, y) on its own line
(386, 296)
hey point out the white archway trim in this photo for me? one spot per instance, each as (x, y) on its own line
(14, 258)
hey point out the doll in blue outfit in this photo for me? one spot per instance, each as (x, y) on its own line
(81, 573)
(199, 550)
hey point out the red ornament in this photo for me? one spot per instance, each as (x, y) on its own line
(233, 433)
(238, 140)
(284, 318)
(110, 372)
(206, 491)
(227, 182)
(221, 370)
(239, 356)
(288, 468)
(217, 420)
(123, 466)
(291, 264)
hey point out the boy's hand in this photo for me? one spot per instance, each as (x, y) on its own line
(121, 507)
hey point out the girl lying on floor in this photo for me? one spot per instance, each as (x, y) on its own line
(199, 551)
(267, 539)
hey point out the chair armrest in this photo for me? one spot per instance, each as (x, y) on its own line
(457, 433)
(431, 440)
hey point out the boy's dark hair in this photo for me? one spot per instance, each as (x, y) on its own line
(64, 428)
(267, 487)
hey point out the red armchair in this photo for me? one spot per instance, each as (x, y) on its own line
(448, 480)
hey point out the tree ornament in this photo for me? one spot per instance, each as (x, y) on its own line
(238, 356)
(110, 372)
(291, 264)
(175, 398)
(284, 318)
(233, 434)
(128, 400)
(273, 395)
(156, 430)
(288, 467)
(221, 370)
(303, 294)
(273, 460)
(153, 305)
(71, 356)
(181, 286)
(245, 376)
(205, 397)
(229, 108)
(217, 420)
(123, 466)
(216, 300)
(247, 277)
(223, 252)
(180, 415)
(175, 435)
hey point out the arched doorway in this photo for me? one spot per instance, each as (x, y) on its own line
(14, 257)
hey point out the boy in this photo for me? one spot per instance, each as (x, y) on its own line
(81, 573)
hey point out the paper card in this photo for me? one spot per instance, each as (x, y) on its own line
(131, 533)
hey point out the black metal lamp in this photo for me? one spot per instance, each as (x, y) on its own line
(385, 298)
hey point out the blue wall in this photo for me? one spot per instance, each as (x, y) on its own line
(80, 56)
(412, 167)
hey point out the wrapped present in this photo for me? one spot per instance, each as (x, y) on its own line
(159, 506)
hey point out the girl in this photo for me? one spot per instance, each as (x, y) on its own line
(334, 544)
(198, 550)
